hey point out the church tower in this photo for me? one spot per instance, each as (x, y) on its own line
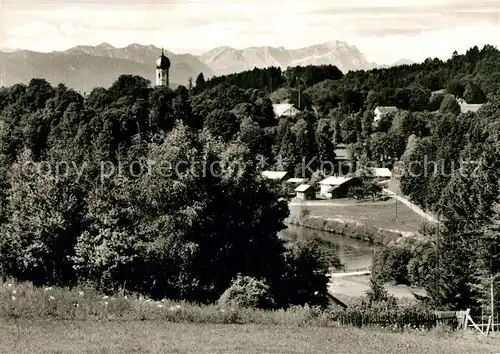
(162, 67)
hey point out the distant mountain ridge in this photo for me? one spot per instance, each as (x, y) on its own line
(403, 62)
(147, 54)
(84, 67)
(398, 63)
(228, 60)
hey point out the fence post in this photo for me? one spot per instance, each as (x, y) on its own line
(490, 319)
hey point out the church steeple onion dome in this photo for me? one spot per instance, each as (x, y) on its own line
(163, 62)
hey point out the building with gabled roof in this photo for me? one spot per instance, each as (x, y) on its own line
(305, 192)
(337, 186)
(465, 107)
(334, 180)
(285, 110)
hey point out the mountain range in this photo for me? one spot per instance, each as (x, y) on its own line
(85, 67)
(227, 60)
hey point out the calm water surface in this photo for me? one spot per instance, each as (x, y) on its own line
(354, 254)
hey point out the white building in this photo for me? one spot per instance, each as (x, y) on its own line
(327, 185)
(305, 192)
(285, 110)
(162, 67)
(381, 111)
(466, 107)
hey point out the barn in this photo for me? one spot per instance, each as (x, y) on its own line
(337, 187)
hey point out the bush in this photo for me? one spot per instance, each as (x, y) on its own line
(435, 102)
(309, 262)
(246, 291)
(304, 212)
(378, 294)
(391, 264)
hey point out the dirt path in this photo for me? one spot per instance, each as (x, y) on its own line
(350, 274)
(334, 202)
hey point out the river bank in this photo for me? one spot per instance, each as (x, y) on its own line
(346, 228)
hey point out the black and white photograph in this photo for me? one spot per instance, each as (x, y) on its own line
(236, 176)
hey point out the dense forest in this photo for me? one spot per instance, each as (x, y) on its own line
(115, 191)
(111, 189)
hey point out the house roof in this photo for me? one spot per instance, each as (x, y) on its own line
(303, 188)
(377, 172)
(382, 172)
(335, 181)
(386, 109)
(274, 174)
(281, 108)
(297, 180)
(465, 107)
(438, 92)
(341, 154)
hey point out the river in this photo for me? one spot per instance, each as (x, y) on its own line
(354, 254)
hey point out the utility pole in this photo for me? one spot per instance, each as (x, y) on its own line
(396, 198)
(437, 256)
(492, 305)
(299, 82)
(298, 91)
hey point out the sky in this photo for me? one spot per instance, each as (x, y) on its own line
(384, 30)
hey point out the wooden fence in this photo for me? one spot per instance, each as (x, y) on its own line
(399, 320)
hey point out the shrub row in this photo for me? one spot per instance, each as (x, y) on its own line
(25, 301)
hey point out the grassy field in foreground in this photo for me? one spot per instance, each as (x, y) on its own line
(380, 214)
(164, 337)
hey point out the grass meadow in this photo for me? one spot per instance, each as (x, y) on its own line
(39, 336)
(385, 215)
